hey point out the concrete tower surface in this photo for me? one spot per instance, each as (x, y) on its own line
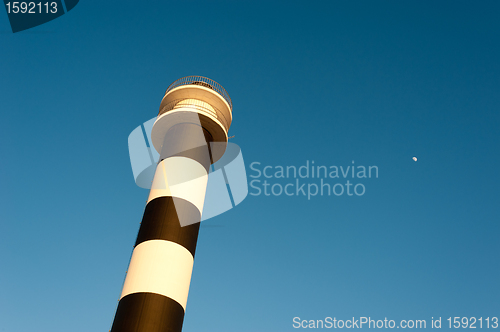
(190, 133)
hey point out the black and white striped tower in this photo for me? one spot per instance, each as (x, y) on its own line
(190, 133)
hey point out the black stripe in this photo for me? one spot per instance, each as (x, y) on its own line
(161, 222)
(148, 312)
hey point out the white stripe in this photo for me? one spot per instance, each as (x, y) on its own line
(180, 177)
(160, 267)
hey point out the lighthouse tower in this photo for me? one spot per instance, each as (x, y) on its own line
(190, 133)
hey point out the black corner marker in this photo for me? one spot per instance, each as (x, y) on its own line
(70, 4)
(25, 15)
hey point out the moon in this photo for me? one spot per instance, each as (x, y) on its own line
(414, 158)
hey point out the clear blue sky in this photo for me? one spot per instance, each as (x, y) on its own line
(334, 81)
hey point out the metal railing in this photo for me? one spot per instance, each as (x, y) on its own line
(198, 105)
(203, 81)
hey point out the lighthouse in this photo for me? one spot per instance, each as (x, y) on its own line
(190, 134)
